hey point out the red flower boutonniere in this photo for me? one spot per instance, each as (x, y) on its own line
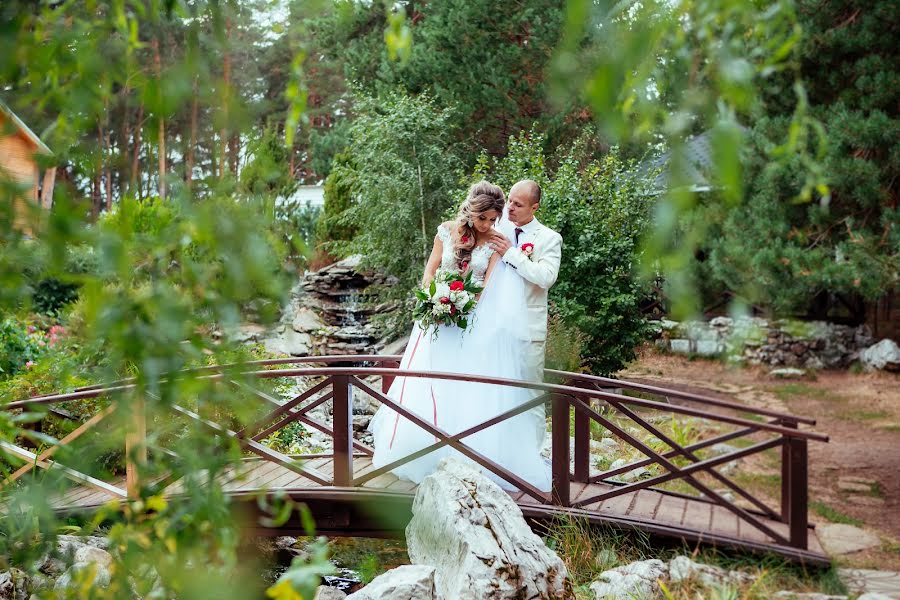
(527, 249)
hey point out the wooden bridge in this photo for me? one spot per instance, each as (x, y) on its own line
(684, 492)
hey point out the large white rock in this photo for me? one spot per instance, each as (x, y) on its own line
(409, 582)
(474, 535)
(682, 567)
(90, 554)
(637, 580)
(883, 355)
(324, 592)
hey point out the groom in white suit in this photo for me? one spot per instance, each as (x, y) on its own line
(534, 250)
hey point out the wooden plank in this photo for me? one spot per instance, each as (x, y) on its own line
(645, 505)
(671, 510)
(618, 505)
(402, 485)
(381, 482)
(285, 479)
(698, 516)
(256, 473)
(724, 522)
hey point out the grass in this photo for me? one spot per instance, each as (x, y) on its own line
(863, 415)
(789, 391)
(768, 483)
(891, 427)
(832, 514)
(587, 551)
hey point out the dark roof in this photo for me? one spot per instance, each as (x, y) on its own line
(20, 124)
(696, 167)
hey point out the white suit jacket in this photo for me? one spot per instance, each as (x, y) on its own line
(539, 271)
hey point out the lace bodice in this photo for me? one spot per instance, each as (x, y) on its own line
(481, 256)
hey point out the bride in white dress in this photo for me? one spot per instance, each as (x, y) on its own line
(493, 346)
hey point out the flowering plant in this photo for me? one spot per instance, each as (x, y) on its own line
(527, 249)
(448, 300)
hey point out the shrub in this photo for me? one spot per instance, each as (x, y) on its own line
(601, 210)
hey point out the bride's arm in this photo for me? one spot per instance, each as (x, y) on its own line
(434, 261)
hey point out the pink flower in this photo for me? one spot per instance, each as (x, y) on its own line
(465, 266)
(29, 364)
(445, 300)
(31, 329)
(457, 286)
(527, 249)
(465, 239)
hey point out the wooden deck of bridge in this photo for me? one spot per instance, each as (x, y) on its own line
(655, 512)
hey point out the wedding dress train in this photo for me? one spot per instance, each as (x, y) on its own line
(493, 346)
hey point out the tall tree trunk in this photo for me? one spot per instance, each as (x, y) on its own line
(107, 157)
(137, 143)
(157, 61)
(189, 159)
(226, 95)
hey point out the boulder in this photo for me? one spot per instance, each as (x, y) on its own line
(883, 355)
(14, 584)
(682, 567)
(90, 554)
(409, 582)
(637, 580)
(788, 373)
(326, 592)
(76, 572)
(474, 535)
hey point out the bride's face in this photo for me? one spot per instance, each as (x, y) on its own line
(483, 222)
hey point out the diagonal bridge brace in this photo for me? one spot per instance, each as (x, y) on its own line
(677, 473)
(453, 441)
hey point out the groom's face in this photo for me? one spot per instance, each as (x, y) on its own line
(520, 207)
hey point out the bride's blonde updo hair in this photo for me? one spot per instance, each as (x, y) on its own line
(483, 197)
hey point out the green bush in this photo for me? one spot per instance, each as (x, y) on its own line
(601, 210)
(20, 346)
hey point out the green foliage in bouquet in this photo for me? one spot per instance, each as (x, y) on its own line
(454, 291)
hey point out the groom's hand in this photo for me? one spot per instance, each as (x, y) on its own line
(499, 243)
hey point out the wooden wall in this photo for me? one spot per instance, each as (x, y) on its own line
(17, 162)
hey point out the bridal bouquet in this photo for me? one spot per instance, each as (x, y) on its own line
(448, 300)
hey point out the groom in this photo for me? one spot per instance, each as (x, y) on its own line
(535, 252)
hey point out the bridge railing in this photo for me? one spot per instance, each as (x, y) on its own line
(578, 404)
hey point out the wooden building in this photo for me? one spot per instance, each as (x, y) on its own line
(19, 149)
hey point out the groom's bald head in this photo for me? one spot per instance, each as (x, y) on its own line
(529, 191)
(524, 200)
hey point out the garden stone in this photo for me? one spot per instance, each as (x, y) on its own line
(474, 535)
(839, 538)
(680, 346)
(409, 582)
(682, 567)
(883, 355)
(639, 579)
(307, 321)
(101, 575)
(709, 348)
(14, 584)
(326, 592)
(885, 583)
(90, 554)
(290, 343)
(787, 373)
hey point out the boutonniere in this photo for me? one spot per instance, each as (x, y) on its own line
(527, 249)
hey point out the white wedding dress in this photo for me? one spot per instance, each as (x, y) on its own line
(493, 346)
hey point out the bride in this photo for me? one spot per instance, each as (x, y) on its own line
(494, 345)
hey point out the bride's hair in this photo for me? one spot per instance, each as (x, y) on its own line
(483, 196)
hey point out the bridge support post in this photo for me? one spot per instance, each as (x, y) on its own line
(795, 490)
(582, 444)
(343, 430)
(559, 432)
(135, 447)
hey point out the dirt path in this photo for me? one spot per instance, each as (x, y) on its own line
(855, 478)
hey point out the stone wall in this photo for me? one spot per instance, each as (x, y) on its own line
(811, 345)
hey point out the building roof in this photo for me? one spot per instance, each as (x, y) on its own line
(697, 164)
(29, 134)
